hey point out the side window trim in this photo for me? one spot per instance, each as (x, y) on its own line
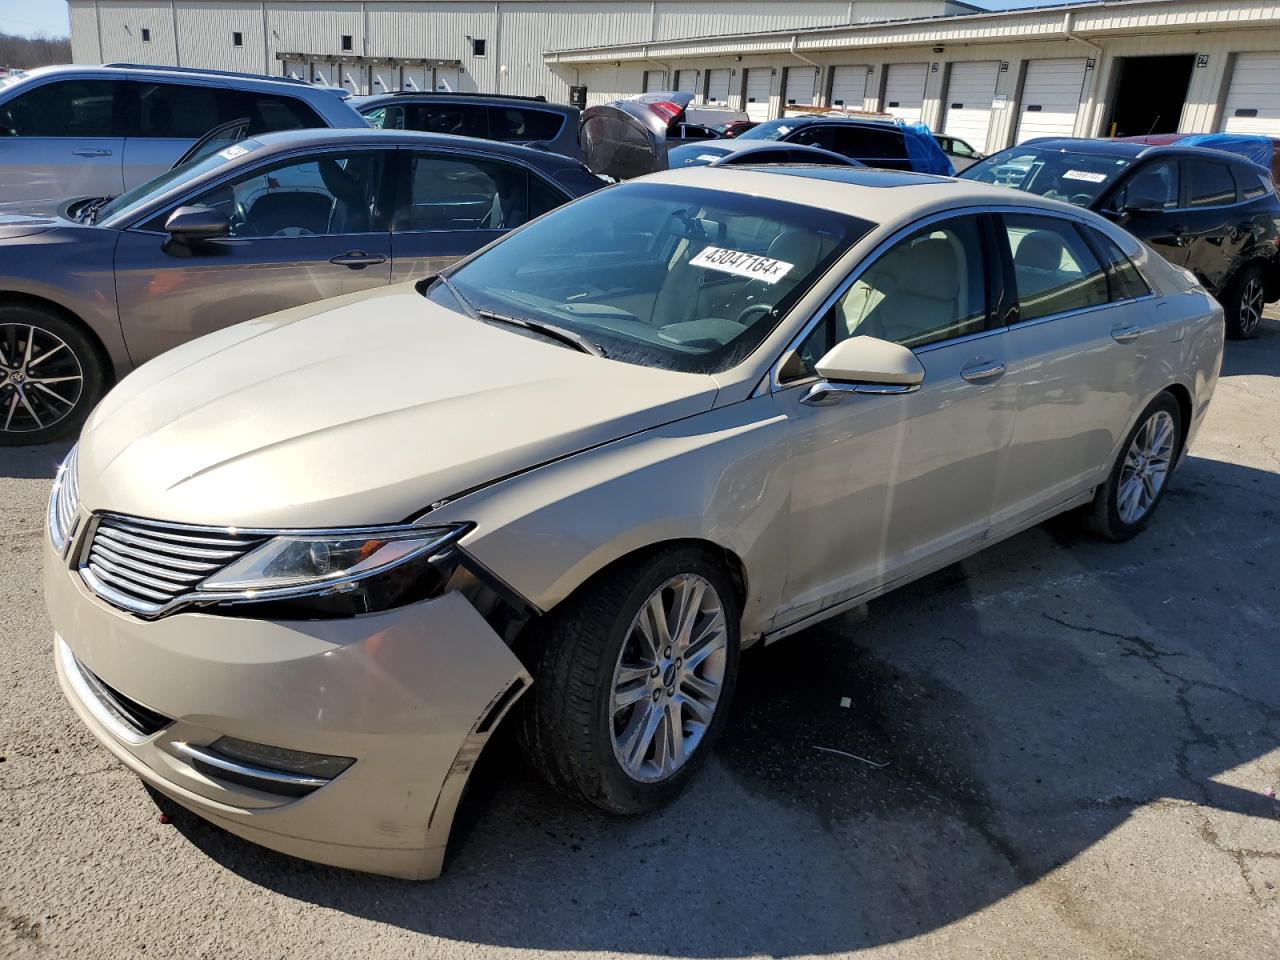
(774, 382)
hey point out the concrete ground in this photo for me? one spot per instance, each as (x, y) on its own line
(1069, 748)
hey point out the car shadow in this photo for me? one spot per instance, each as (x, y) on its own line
(896, 769)
(35, 462)
(1261, 355)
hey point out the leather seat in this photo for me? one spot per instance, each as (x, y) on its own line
(920, 287)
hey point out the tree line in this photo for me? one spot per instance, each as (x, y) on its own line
(26, 52)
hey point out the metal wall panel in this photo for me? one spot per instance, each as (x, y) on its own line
(122, 24)
(678, 19)
(205, 36)
(529, 29)
(315, 27)
(84, 32)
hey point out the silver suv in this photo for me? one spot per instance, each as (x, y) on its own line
(99, 131)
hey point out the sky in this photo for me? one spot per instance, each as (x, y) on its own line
(29, 17)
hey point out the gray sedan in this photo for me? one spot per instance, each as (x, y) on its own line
(91, 290)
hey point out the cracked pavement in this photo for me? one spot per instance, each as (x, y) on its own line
(1076, 738)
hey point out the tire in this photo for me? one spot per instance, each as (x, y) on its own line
(1114, 514)
(1243, 302)
(50, 375)
(571, 727)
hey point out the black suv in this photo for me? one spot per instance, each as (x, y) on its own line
(486, 116)
(1215, 213)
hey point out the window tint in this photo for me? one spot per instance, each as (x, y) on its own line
(1209, 184)
(1126, 282)
(817, 136)
(333, 194)
(268, 112)
(867, 144)
(68, 108)
(518, 123)
(1055, 269)
(1252, 184)
(890, 301)
(176, 110)
(462, 193)
(543, 197)
(1154, 185)
(460, 119)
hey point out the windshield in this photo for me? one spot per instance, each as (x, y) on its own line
(127, 202)
(1077, 178)
(659, 275)
(770, 130)
(695, 155)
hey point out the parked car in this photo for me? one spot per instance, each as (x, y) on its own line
(300, 569)
(1214, 213)
(961, 154)
(1264, 151)
(632, 136)
(261, 225)
(80, 131)
(875, 143)
(734, 128)
(508, 119)
(715, 155)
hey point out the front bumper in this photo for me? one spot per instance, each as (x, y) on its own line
(412, 694)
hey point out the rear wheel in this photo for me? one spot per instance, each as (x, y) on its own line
(1123, 505)
(633, 681)
(50, 376)
(1243, 301)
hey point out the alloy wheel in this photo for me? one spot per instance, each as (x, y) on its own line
(669, 678)
(41, 379)
(1251, 306)
(1146, 467)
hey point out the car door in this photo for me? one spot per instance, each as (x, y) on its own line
(450, 204)
(302, 229)
(1147, 202)
(1075, 349)
(171, 117)
(1214, 234)
(63, 139)
(888, 484)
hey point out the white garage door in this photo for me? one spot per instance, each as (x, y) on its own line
(848, 87)
(323, 74)
(297, 69)
(718, 86)
(1253, 99)
(904, 90)
(802, 85)
(655, 80)
(355, 79)
(415, 78)
(1050, 98)
(385, 79)
(759, 80)
(446, 80)
(969, 93)
(687, 81)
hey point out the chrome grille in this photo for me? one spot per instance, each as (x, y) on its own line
(68, 493)
(144, 566)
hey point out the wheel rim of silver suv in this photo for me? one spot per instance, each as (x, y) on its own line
(668, 678)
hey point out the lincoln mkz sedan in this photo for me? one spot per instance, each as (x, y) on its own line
(299, 570)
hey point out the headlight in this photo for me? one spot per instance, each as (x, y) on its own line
(64, 502)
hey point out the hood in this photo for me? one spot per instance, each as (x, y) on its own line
(364, 409)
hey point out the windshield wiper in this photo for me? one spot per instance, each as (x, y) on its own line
(551, 331)
(89, 213)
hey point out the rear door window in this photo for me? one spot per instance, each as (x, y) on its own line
(1209, 184)
(459, 119)
(463, 193)
(268, 112)
(868, 144)
(1056, 272)
(1125, 281)
(523, 124)
(69, 108)
(820, 135)
(176, 110)
(1251, 184)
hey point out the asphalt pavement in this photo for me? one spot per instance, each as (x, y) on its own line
(1057, 748)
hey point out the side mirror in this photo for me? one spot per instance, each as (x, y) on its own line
(865, 365)
(197, 223)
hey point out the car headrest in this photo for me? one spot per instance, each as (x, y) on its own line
(933, 273)
(1040, 250)
(797, 246)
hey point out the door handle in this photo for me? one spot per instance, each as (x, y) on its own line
(357, 259)
(91, 152)
(982, 370)
(1125, 333)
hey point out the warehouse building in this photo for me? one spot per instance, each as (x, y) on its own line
(992, 78)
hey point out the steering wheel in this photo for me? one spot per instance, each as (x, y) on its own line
(751, 313)
(294, 232)
(1080, 199)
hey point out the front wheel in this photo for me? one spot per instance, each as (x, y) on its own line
(1243, 302)
(633, 681)
(50, 376)
(1125, 502)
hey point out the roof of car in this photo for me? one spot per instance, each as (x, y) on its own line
(432, 96)
(1130, 149)
(251, 81)
(322, 136)
(871, 194)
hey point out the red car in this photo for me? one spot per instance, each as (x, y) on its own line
(734, 127)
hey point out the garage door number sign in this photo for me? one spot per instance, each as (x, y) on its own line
(749, 265)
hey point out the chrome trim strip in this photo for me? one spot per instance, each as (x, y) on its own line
(248, 770)
(74, 673)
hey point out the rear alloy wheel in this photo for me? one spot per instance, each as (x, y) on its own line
(1244, 302)
(1124, 504)
(633, 679)
(50, 376)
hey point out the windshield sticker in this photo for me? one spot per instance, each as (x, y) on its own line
(742, 264)
(709, 157)
(1084, 175)
(233, 151)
